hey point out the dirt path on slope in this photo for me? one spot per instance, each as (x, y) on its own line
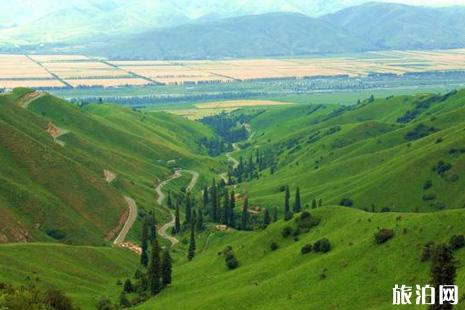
(119, 241)
(25, 100)
(235, 162)
(161, 196)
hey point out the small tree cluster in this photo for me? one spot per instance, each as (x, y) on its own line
(383, 235)
(229, 258)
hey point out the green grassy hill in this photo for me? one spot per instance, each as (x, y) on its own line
(54, 189)
(358, 273)
(84, 273)
(334, 152)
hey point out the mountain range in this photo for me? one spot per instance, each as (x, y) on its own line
(180, 29)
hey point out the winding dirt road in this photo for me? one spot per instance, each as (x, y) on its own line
(161, 196)
(235, 162)
(129, 221)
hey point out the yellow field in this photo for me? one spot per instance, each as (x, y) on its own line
(80, 70)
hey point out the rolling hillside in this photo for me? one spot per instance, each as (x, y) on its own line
(356, 274)
(58, 161)
(413, 144)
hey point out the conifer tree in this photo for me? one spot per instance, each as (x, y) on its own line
(205, 197)
(232, 205)
(313, 203)
(225, 217)
(177, 220)
(144, 259)
(166, 268)
(245, 214)
(266, 217)
(127, 287)
(443, 272)
(191, 251)
(154, 269)
(188, 208)
(287, 209)
(320, 202)
(152, 229)
(199, 221)
(275, 214)
(214, 200)
(169, 202)
(297, 202)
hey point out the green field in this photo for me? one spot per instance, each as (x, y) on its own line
(397, 162)
(359, 273)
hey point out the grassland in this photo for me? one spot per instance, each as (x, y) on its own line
(84, 273)
(333, 152)
(358, 273)
(57, 192)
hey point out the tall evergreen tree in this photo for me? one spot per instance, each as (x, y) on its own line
(297, 203)
(287, 209)
(166, 268)
(266, 217)
(443, 272)
(313, 203)
(199, 221)
(226, 205)
(154, 269)
(206, 199)
(144, 259)
(214, 201)
(188, 208)
(275, 214)
(232, 205)
(320, 202)
(152, 228)
(177, 220)
(245, 214)
(191, 251)
(169, 202)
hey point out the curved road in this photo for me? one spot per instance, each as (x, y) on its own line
(129, 221)
(235, 162)
(161, 196)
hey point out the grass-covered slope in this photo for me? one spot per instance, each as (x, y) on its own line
(54, 189)
(356, 274)
(83, 273)
(379, 153)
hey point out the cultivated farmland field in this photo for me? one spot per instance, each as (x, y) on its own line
(55, 71)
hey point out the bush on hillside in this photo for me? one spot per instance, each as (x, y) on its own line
(419, 132)
(322, 245)
(427, 251)
(457, 242)
(287, 231)
(305, 221)
(442, 167)
(306, 249)
(346, 202)
(428, 184)
(273, 246)
(383, 235)
(230, 259)
(429, 197)
(56, 234)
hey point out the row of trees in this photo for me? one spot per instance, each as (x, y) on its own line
(250, 169)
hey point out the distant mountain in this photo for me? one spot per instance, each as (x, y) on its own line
(273, 34)
(56, 21)
(397, 26)
(371, 26)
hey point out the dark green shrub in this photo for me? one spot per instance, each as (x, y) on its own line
(273, 246)
(322, 245)
(56, 234)
(230, 259)
(306, 221)
(429, 197)
(346, 202)
(427, 251)
(442, 167)
(306, 249)
(383, 235)
(457, 242)
(287, 231)
(428, 184)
